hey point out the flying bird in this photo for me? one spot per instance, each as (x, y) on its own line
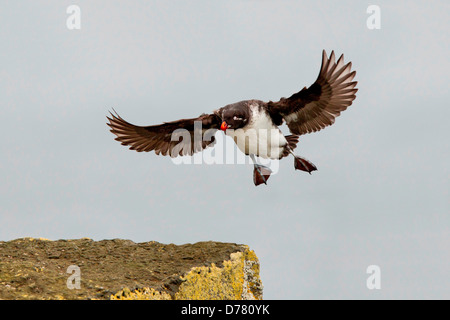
(253, 124)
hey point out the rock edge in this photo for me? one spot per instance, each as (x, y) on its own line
(33, 268)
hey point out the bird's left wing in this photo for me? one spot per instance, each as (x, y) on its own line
(317, 107)
(176, 138)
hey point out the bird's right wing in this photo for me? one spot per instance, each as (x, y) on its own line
(176, 138)
(317, 107)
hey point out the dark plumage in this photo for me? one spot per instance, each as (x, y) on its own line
(306, 111)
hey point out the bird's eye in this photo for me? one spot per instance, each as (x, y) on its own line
(237, 118)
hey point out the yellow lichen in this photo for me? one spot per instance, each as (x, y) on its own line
(237, 279)
(32, 239)
(141, 294)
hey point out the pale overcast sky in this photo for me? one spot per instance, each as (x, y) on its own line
(380, 197)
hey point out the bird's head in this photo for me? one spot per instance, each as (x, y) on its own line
(234, 116)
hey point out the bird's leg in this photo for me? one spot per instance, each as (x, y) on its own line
(303, 164)
(260, 173)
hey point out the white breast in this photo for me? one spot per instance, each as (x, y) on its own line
(260, 136)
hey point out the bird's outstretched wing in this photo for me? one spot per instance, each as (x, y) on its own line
(317, 107)
(176, 138)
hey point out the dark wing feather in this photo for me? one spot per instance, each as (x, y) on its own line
(176, 138)
(317, 107)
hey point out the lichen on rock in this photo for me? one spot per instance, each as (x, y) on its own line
(238, 279)
(141, 294)
(122, 269)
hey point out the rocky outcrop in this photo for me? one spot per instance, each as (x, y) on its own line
(122, 269)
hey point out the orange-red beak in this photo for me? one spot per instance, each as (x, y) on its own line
(224, 126)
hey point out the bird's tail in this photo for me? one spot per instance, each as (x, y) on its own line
(292, 141)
